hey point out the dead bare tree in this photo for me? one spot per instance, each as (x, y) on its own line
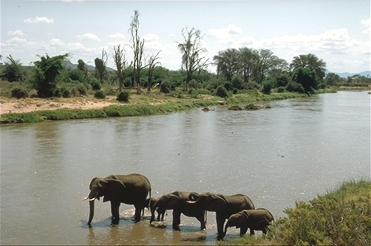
(153, 61)
(120, 61)
(137, 46)
(192, 58)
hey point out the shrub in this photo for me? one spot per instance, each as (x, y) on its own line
(99, 95)
(165, 87)
(281, 89)
(65, 92)
(79, 90)
(282, 80)
(123, 96)
(251, 85)
(228, 86)
(76, 75)
(221, 92)
(295, 87)
(57, 92)
(95, 84)
(19, 92)
(267, 87)
(237, 83)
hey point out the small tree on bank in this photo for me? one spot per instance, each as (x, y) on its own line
(100, 66)
(46, 72)
(119, 59)
(137, 46)
(192, 58)
(152, 63)
(12, 70)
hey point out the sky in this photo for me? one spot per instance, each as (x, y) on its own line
(337, 31)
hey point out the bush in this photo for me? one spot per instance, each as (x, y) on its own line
(99, 95)
(251, 85)
(79, 90)
(165, 87)
(19, 92)
(76, 75)
(123, 96)
(282, 80)
(65, 92)
(295, 87)
(221, 92)
(95, 84)
(228, 86)
(281, 89)
(237, 83)
(267, 87)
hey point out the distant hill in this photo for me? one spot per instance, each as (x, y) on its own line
(364, 73)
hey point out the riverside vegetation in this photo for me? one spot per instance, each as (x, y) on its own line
(340, 217)
(243, 75)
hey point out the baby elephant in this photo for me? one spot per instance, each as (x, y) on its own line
(256, 219)
(151, 204)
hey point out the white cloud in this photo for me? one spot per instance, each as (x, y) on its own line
(88, 37)
(117, 35)
(17, 33)
(224, 33)
(38, 19)
(366, 23)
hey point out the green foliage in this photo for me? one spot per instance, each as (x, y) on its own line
(100, 68)
(282, 80)
(332, 79)
(221, 92)
(123, 96)
(237, 83)
(95, 84)
(165, 87)
(251, 85)
(228, 86)
(76, 75)
(79, 90)
(281, 89)
(310, 62)
(267, 86)
(337, 218)
(12, 70)
(46, 71)
(306, 78)
(19, 92)
(295, 87)
(99, 95)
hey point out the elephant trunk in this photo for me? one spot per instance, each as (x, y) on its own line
(91, 213)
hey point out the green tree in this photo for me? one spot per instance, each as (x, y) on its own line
(152, 63)
(82, 67)
(12, 70)
(227, 63)
(119, 59)
(192, 53)
(332, 79)
(46, 71)
(306, 78)
(311, 62)
(100, 66)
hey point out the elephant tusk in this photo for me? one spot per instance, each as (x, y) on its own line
(191, 202)
(85, 198)
(92, 199)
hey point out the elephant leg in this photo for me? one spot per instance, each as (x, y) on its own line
(243, 230)
(162, 216)
(220, 219)
(201, 218)
(252, 232)
(176, 220)
(115, 212)
(138, 210)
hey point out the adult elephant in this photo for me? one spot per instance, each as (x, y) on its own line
(129, 189)
(223, 205)
(255, 219)
(177, 201)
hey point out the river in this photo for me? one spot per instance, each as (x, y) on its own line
(294, 150)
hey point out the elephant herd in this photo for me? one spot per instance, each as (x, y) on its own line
(238, 209)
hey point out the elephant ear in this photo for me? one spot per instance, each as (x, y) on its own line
(91, 182)
(112, 187)
(193, 196)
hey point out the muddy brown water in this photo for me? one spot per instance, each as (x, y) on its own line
(292, 151)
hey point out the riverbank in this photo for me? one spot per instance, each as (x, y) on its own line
(36, 110)
(340, 217)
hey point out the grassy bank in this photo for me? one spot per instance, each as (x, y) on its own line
(341, 217)
(145, 105)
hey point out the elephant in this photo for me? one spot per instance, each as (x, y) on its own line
(177, 201)
(150, 204)
(128, 189)
(223, 205)
(253, 219)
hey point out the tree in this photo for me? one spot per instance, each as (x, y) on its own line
(137, 46)
(82, 67)
(119, 59)
(306, 78)
(152, 63)
(248, 60)
(46, 72)
(12, 70)
(192, 58)
(332, 79)
(100, 65)
(311, 62)
(227, 63)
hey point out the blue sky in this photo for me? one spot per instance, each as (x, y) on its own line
(336, 31)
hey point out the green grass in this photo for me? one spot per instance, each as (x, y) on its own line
(341, 217)
(142, 106)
